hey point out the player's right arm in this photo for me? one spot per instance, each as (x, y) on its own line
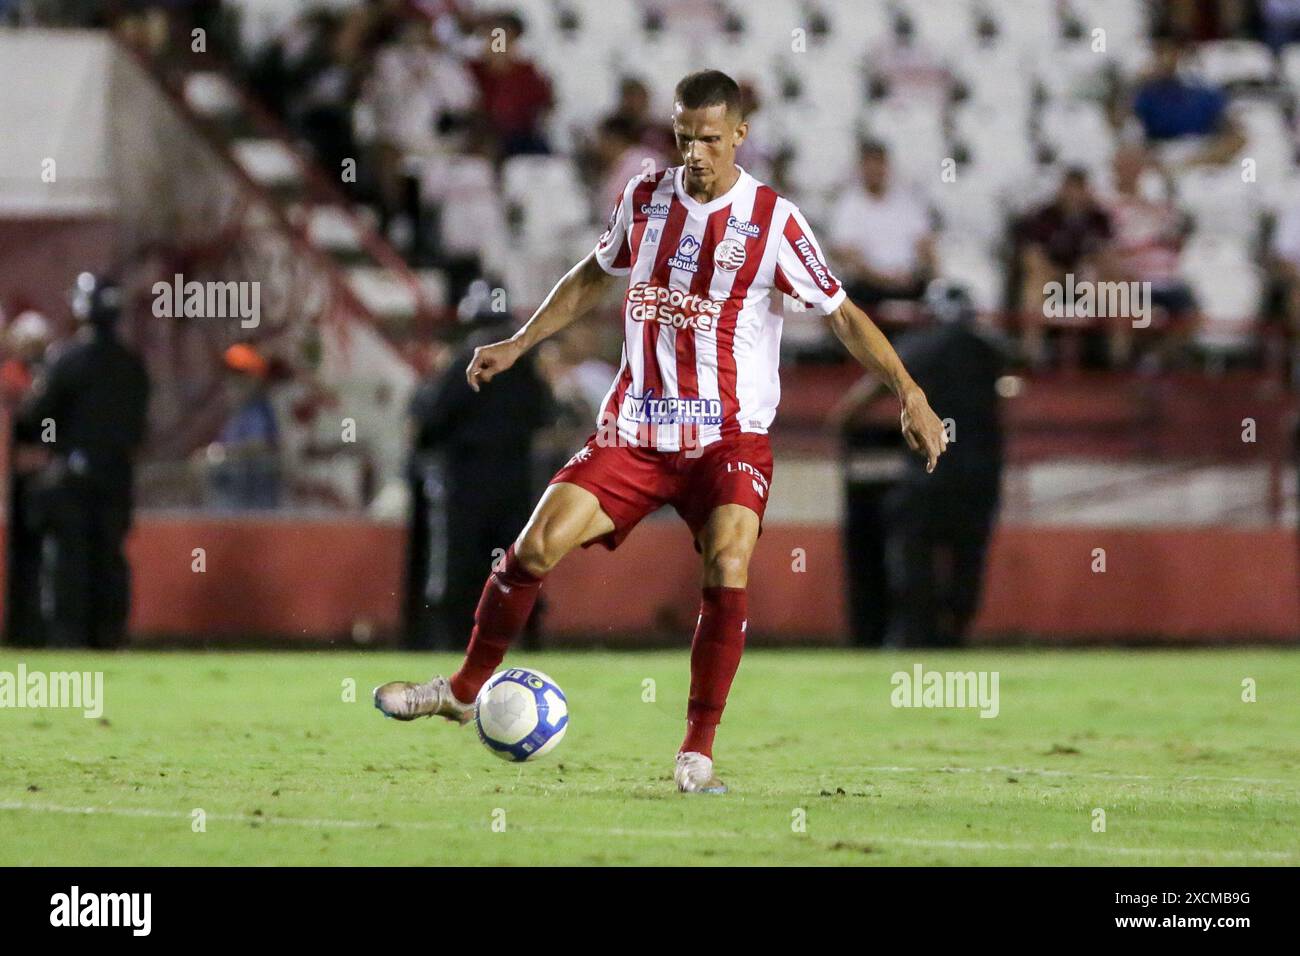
(581, 290)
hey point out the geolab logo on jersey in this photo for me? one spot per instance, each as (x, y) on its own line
(655, 210)
(729, 255)
(687, 250)
(744, 227)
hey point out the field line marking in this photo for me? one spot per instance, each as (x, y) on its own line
(921, 843)
(1092, 774)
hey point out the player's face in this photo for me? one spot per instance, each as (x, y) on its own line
(707, 139)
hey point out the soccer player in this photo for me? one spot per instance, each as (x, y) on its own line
(705, 248)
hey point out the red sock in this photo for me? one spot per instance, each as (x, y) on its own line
(508, 598)
(715, 655)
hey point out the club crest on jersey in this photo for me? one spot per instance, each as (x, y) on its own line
(729, 255)
(684, 258)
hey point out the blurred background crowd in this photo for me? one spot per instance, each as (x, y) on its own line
(439, 163)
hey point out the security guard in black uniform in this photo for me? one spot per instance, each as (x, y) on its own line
(473, 465)
(90, 410)
(935, 527)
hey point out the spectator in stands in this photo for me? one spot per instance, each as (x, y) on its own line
(881, 235)
(419, 95)
(89, 408)
(1284, 262)
(1068, 235)
(1281, 19)
(244, 461)
(759, 155)
(634, 107)
(26, 344)
(515, 95)
(620, 155)
(1187, 121)
(1146, 244)
(26, 341)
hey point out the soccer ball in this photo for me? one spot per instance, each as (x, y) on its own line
(521, 714)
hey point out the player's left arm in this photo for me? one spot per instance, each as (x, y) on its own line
(921, 426)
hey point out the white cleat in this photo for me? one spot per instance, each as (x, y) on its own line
(403, 700)
(694, 774)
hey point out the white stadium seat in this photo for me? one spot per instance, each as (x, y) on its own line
(1229, 290)
(1225, 62)
(1220, 202)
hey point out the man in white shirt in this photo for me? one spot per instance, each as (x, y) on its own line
(882, 235)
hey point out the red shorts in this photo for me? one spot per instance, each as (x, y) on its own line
(631, 482)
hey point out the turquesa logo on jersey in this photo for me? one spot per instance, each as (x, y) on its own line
(729, 255)
(654, 303)
(687, 250)
(813, 262)
(744, 227)
(655, 210)
(671, 411)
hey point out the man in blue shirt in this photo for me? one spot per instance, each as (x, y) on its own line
(1171, 107)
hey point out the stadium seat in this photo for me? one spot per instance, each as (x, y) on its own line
(1217, 199)
(1228, 288)
(947, 28)
(978, 269)
(970, 208)
(1233, 62)
(1024, 26)
(1078, 133)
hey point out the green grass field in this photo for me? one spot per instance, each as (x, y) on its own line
(287, 772)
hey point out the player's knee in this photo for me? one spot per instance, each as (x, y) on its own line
(727, 566)
(532, 553)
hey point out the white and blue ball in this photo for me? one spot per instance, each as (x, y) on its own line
(521, 714)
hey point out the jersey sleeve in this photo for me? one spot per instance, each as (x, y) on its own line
(801, 269)
(614, 250)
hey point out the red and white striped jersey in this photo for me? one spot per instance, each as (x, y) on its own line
(702, 327)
